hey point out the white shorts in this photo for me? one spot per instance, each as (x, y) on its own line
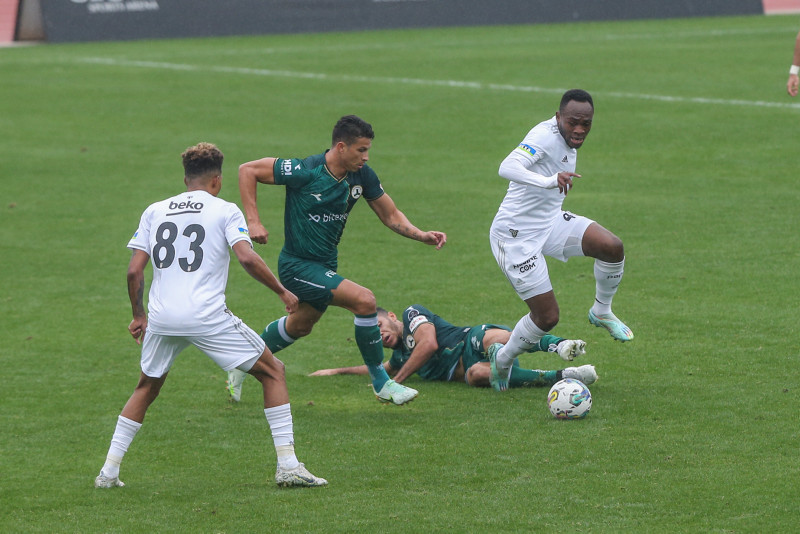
(522, 260)
(236, 345)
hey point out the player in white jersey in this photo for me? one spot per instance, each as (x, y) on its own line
(793, 83)
(188, 237)
(531, 224)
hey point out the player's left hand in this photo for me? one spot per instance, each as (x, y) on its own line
(565, 181)
(792, 84)
(137, 328)
(290, 300)
(436, 238)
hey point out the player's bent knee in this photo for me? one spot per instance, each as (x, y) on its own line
(366, 304)
(300, 330)
(546, 321)
(478, 376)
(616, 250)
(268, 366)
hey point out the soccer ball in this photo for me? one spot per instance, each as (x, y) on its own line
(569, 399)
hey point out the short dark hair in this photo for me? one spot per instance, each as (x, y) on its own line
(578, 95)
(202, 159)
(349, 128)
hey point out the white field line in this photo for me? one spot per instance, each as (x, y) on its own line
(425, 82)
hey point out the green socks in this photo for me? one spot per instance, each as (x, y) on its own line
(526, 378)
(275, 335)
(368, 339)
(548, 343)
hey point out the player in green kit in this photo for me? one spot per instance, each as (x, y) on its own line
(424, 343)
(320, 192)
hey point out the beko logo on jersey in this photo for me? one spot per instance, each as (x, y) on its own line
(187, 206)
(328, 217)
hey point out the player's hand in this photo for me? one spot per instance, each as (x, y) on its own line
(258, 233)
(565, 181)
(290, 300)
(792, 84)
(436, 238)
(137, 328)
(325, 372)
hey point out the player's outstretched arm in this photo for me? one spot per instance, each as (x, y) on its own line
(387, 211)
(357, 370)
(255, 267)
(250, 175)
(425, 346)
(138, 326)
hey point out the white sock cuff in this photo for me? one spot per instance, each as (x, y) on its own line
(531, 329)
(123, 436)
(278, 412)
(280, 424)
(282, 330)
(371, 320)
(129, 423)
(606, 267)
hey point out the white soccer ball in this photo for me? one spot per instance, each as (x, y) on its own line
(569, 399)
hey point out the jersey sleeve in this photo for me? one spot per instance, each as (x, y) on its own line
(397, 360)
(291, 173)
(372, 184)
(415, 315)
(235, 226)
(141, 237)
(519, 164)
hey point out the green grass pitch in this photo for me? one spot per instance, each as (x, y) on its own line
(692, 161)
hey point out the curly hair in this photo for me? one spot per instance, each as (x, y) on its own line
(202, 159)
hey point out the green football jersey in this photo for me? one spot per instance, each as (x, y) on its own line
(452, 341)
(318, 205)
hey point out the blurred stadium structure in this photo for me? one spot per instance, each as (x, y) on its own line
(111, 20)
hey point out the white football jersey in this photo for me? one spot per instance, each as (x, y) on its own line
(188, 238)
(532, 201)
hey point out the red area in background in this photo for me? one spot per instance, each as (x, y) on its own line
(781, 6)
(8, 20)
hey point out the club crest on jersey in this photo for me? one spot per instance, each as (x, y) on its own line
(356, 191)
(528, 149)
(409, 342)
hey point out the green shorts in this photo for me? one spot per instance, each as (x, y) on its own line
(312, 282)
(473, 348)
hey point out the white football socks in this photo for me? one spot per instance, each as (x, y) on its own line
(524, 337)
(280, 423)
(607, 278)
(123, 436)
